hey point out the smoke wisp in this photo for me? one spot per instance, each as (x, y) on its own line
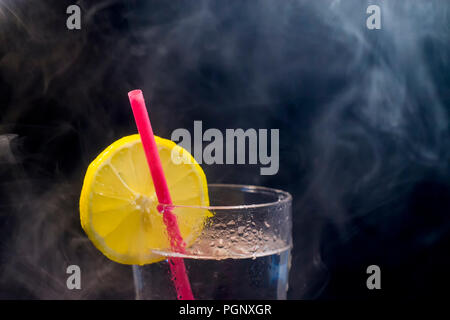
(363, 119)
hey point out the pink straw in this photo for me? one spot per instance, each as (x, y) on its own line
(177, 267)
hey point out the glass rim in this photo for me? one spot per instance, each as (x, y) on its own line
(283, 197)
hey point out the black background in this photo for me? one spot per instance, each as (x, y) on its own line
(363, 119)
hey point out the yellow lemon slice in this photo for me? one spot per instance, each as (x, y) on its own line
(118, 204)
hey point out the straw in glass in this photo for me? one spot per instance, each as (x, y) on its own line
(177, 267)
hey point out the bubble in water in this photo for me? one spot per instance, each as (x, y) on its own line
(219, 252)
(220, 226)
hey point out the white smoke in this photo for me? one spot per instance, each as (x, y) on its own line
(356, 108)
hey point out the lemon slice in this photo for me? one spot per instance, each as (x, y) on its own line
(118, 204)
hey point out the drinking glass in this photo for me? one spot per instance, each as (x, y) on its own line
(241, 251)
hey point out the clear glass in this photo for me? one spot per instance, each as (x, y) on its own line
(241, 251)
